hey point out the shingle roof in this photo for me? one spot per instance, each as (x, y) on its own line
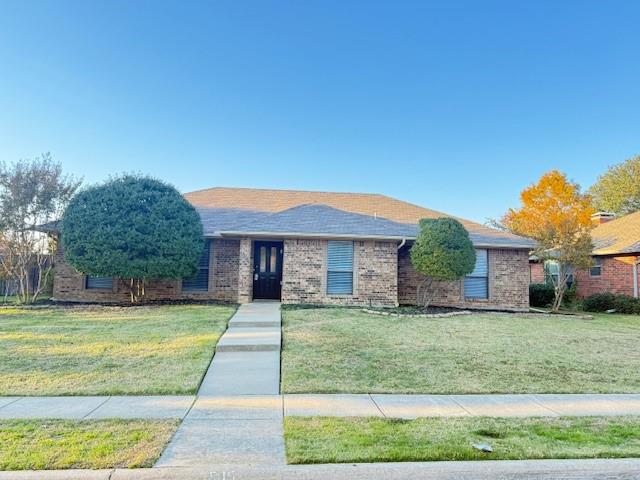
(357, 214)
(618, 236)
(315, 220)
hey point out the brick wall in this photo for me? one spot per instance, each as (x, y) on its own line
(305, 273)
(616, 277)
(69, 285)
(508, 283)
(536, 272)
(245, 271)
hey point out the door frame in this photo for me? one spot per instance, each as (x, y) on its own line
(256, 244)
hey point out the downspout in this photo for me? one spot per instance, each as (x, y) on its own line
(400, 245)
(635, 277)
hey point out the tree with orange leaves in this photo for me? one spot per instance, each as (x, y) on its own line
(557, 216)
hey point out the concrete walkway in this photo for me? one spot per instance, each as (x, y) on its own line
(415, 406)
(237, 416)
(79, 408)
(223, 396)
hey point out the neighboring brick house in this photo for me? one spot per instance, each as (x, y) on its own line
(320, 248)
(616, 257)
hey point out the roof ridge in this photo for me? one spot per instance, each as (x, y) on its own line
(291, 190)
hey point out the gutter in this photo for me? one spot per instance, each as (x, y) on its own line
(404, 238)
(308, 235)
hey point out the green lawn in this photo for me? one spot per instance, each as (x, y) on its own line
(60, 444)
(108, 350)
(339, 440)
(346, 350)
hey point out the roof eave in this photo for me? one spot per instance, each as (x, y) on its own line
(230, 233)
(259, 234)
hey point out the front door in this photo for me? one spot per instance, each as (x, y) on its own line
(267, 270)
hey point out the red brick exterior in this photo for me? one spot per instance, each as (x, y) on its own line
(536, 272)
(508, 283)
(375, 278)
(382, 277)
(616, 277)
(69, 285)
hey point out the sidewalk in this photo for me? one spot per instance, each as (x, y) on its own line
(239, 386)
(80, 408)
(415, 406)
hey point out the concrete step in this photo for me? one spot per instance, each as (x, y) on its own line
(250, 339)
(253, 323)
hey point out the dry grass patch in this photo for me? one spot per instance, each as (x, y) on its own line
(338, 350)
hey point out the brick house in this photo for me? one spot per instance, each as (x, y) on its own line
(616, 257)
(320, 248)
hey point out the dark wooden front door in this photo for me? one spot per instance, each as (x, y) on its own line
(267, 270)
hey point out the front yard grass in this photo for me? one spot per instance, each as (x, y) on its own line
(108, 350)
(339, 440)
(61, 444)
(338, 350)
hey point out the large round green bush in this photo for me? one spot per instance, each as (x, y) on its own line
(132, 227)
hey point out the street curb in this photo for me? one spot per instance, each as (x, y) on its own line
(471, 470)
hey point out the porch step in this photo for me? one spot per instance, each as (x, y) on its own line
(253, 323)
(250, 339)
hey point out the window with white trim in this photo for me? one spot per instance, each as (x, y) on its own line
(339, 267)
(200, 281)
(552, 273)
(476, 284)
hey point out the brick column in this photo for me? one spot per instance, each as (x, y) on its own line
(245, 272)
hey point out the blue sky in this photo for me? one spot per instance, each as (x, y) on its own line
(452, 105)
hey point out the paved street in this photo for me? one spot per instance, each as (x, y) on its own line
(622, 469)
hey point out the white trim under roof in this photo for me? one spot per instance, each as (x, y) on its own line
(230, 233)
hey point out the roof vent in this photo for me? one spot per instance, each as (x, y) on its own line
(599, 218)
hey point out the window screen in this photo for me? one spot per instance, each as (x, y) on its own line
(339, 268)
(476, 285)
(200, 281)
(101, 283)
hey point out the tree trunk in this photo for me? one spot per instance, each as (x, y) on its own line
(559, 288)
(425, 292)
(137, 289)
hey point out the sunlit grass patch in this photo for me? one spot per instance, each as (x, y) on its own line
(108, 350)
(62, 444)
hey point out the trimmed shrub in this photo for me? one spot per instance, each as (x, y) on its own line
(541, 295)
(601, 302)
(135, 228)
